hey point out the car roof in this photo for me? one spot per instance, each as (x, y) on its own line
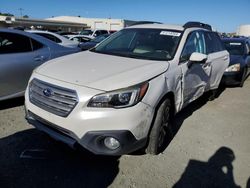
(28, 34)
(31, 35)
(13, 31)
(46, 32)
(62, 38)
(159, 26)
(41, 31)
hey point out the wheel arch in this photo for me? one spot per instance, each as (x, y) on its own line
(169, 95)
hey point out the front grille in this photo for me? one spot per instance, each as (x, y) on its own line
(57, 100)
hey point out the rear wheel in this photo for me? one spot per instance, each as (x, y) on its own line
(161, 131)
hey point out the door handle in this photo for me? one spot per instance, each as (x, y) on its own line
(39, 58)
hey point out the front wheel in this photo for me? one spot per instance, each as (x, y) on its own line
(161, 130)
(212, 94)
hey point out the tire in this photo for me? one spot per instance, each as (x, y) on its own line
(243, 77)
(212, 94)
(161, 130)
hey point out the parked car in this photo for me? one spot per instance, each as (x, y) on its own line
(78, 38)
(55, 38)
(20, 53)
(112, 31)
(93, 33)
(92, 43)
(121, 95)
(239, 66)
(63, 33)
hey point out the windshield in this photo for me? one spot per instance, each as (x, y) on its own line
(234, 48)
(153, 44)
(86, 32)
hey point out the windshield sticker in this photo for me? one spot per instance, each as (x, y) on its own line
(170, 33)
(235, 43)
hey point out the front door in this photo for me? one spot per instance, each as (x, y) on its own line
(195, 77)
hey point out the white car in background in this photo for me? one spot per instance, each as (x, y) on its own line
(121, 95)
(59, 39)
(78, 38)
(93, 33)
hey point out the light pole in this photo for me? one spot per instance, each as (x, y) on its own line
(21, 11)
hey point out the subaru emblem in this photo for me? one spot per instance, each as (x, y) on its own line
(47, 92)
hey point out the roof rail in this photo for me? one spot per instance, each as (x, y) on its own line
(197, 24)
(145, 22)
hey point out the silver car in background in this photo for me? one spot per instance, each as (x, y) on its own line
(20, 53)
(56, 38)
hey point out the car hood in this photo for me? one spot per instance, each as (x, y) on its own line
(234, 59)
(100, 71)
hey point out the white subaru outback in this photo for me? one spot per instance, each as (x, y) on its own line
(120, 96)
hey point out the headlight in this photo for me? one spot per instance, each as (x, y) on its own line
(233, 68)
(119, 98)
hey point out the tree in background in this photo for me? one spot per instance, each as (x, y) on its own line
(6, 14)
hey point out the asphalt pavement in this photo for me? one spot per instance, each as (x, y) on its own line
(211, 148)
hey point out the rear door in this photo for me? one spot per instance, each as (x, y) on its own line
(19, 55)
(196, 77)
(218, 56)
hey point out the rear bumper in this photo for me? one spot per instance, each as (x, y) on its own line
(92, 140)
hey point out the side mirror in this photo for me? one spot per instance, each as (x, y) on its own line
(197, 58)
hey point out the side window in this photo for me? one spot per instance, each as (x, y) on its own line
(77, 39)
(14, 43)
(50, 37)
(36, 45)
(195, 43)
(214, 43)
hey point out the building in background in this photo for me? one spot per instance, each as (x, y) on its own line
(52, 25)
(244, 30)
(96, 23)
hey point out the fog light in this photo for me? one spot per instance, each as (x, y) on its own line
(111, 143)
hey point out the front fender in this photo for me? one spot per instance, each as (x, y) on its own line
(160, 86)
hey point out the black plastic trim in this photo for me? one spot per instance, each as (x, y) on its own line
(231, 78)
(197, 24)
(94, 141)
(52, 130)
